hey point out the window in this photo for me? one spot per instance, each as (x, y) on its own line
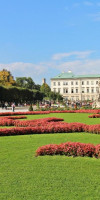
(71, 82)
(76, 82)
(54, 89)
(54, 83)
(92, 82)
(83, 89)
(88, 90)
(58, 83)
(82, 82)
(65, 83)
(96, 82)
(87, 82)
(92, 90)
(65, 90)
(76, 90)
(72, 90)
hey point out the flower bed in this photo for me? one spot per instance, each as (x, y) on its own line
(48, 112)
(94, 116)
(70, 149)
(24, 113)
(12, 121)
(46, 125)
(77, 111)
(9, 120)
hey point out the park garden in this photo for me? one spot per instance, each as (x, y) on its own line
(50, 155)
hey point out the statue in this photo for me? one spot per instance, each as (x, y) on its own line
(96, 103)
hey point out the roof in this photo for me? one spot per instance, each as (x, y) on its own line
(70, 75)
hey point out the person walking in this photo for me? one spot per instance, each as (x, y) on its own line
(13, 107)
(6, 104)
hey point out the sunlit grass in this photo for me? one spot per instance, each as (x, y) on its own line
(24, 176)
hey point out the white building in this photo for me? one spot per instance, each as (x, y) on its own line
(76, 87)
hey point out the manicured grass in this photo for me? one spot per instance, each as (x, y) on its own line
(69, 117)
(24, 176)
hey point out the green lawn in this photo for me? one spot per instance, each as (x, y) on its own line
(69, 117)
(24, 176)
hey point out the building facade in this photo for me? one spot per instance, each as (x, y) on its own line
(76, 87)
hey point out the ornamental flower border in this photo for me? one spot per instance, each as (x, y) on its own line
(50, 111)
(53, 125)
(70, 149)
(40, 126)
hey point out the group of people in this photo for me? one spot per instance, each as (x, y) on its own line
(79, 104)
(5, 106)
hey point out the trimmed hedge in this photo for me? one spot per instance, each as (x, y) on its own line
(46, 125)
(94, 116)
(24, 113)
(48, 112)
(70, 149)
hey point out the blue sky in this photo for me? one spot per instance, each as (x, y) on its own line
(42, 38)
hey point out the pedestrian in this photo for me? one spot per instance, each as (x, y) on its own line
(13, 107)
(6, 104)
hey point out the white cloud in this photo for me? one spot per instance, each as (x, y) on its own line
(21, 69)
(86, 66)
(53, 67)
(37, 68)
(78, 54)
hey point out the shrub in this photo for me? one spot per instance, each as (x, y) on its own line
(46, 125)
(69, 149)
(94, 116)
(31, 108)
(97, 151)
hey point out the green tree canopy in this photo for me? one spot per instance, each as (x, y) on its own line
(25, 82)
(19, 95)
(45, 89)
(55, 96)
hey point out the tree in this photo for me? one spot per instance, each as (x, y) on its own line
(25, 82)
(59, 97)
(55, 96)
(37, 87)
(37, 96)
(6, 78)
(19, 95)
(45, 89)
